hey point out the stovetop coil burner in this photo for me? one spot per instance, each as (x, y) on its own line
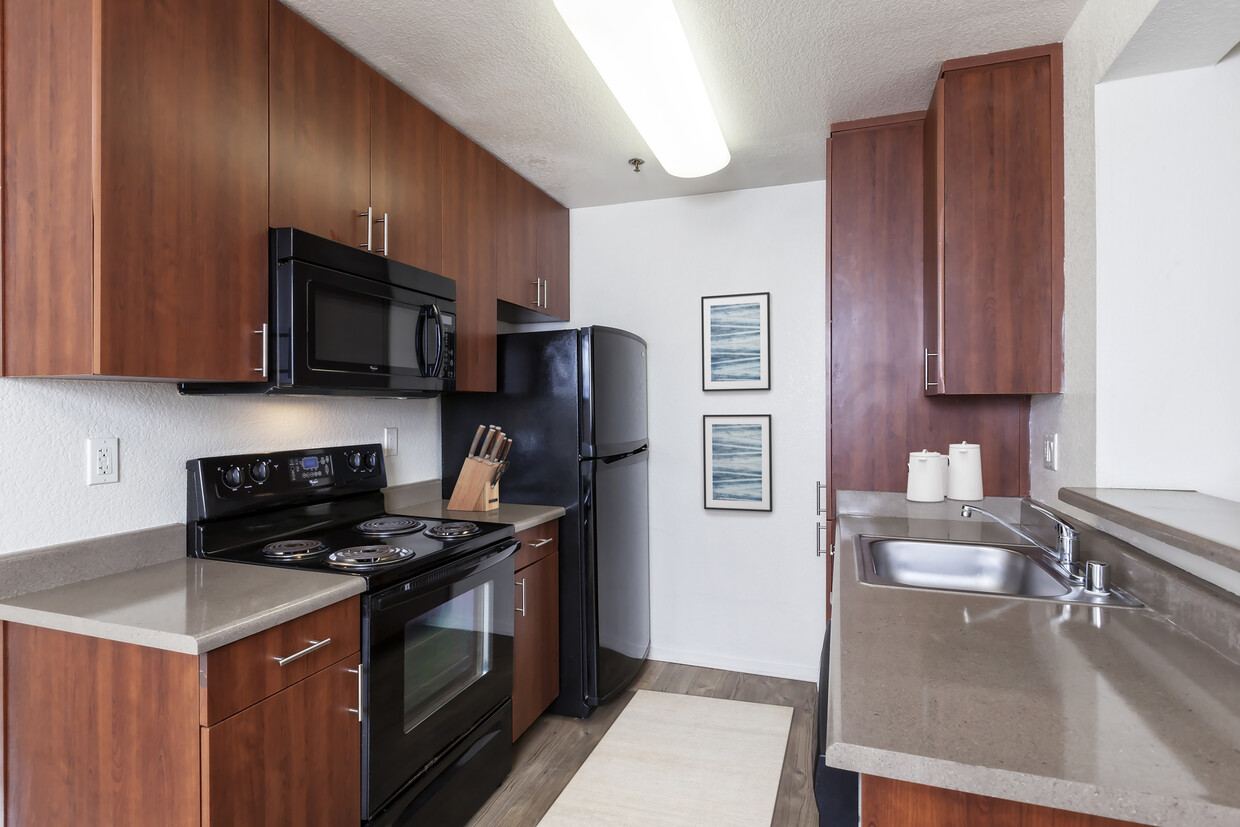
(367, 557)
(390, 524)
(453, 531)
(295, 549)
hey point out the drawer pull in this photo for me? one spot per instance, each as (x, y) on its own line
(314, 644)
(542, 542)
(521, 609)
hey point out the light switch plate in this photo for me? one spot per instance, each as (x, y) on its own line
(391, 441)
(1050, 452)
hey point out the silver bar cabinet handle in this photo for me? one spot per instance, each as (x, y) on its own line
(537, 292)
(925, 369)
(521, 583)
(546, 293)
(263, 333)
(541, 543)
(384, 222)
(370, 227)
(818, 499)
(314, 645)
(818, 532)
(358, 672)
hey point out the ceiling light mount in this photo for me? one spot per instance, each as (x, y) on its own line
(636, 163)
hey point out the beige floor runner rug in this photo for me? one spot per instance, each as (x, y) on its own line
(680, 759)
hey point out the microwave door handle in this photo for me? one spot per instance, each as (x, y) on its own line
(420, 340)
(434, 371)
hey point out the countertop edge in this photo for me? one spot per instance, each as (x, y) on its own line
(173, 642)
(1042, 791)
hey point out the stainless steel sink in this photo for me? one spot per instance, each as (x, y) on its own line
(970, 567)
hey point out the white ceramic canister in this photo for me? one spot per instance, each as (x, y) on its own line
(964, 472)
(925, 476)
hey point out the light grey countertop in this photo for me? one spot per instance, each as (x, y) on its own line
(1110, 711)
(521, 516)
(184, 605)
(1206, 526)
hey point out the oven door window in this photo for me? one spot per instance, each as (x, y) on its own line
(447, 650)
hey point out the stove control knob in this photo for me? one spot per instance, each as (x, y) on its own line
(372, 460)
(354, 460)
(260, 471)
(233, 477)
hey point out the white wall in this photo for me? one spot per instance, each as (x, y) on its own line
(44, 498)
(1097, 37)
(733, 590)
(1169, 280)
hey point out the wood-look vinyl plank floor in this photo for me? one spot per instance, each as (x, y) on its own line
(551, 751)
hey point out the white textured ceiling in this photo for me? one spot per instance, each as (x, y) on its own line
(510, 75)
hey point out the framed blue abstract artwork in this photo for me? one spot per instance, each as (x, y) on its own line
(736, 342)
(737, 452)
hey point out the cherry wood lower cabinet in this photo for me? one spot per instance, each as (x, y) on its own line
(536, 637)
(101, 732)
(886, 802)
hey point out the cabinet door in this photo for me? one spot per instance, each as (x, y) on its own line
(536, 641)
(998, 155)
(467, 175)
(404, 177)
(320, 132)
(553, 255)
(516, 239)
(295, 758)
(136, 188)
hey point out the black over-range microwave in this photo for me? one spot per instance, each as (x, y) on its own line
(347, 322)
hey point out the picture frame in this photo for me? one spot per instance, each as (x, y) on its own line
(736, 462)
(736, 342)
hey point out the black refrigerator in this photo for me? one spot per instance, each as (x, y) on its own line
(574, 403)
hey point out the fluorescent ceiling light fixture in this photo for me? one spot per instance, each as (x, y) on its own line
(639, 48)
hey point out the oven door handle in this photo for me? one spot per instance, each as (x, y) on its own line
(470, 566)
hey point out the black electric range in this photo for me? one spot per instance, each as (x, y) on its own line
(437, 615)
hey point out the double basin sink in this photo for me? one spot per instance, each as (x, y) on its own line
(1016, 571)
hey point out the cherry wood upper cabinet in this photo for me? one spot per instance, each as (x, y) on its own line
(532, 251)
(994, 225)
(404, 177)
(320, 132)
(552, 260)
(516, 239)
(135, 197)
(467, 175)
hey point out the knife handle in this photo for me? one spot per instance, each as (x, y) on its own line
(495, 448)
(473, 446)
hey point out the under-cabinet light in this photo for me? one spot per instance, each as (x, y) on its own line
(639, 48)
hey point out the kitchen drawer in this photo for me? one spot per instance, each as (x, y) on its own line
(537, 543)
(240, 674)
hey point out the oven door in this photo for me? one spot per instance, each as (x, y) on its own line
(437, 656)
(337, 330)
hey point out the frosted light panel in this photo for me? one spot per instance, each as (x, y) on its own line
(639, 48)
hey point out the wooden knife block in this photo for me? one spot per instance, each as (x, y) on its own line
(474, 491)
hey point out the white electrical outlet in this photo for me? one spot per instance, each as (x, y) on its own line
(391, 441)
(103, 459)
(1050, 452)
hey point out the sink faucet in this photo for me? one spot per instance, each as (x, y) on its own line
(1063, 557)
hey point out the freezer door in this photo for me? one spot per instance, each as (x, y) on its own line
(617, 536)
(613, 392)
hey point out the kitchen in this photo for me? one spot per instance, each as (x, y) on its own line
(759, 605)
